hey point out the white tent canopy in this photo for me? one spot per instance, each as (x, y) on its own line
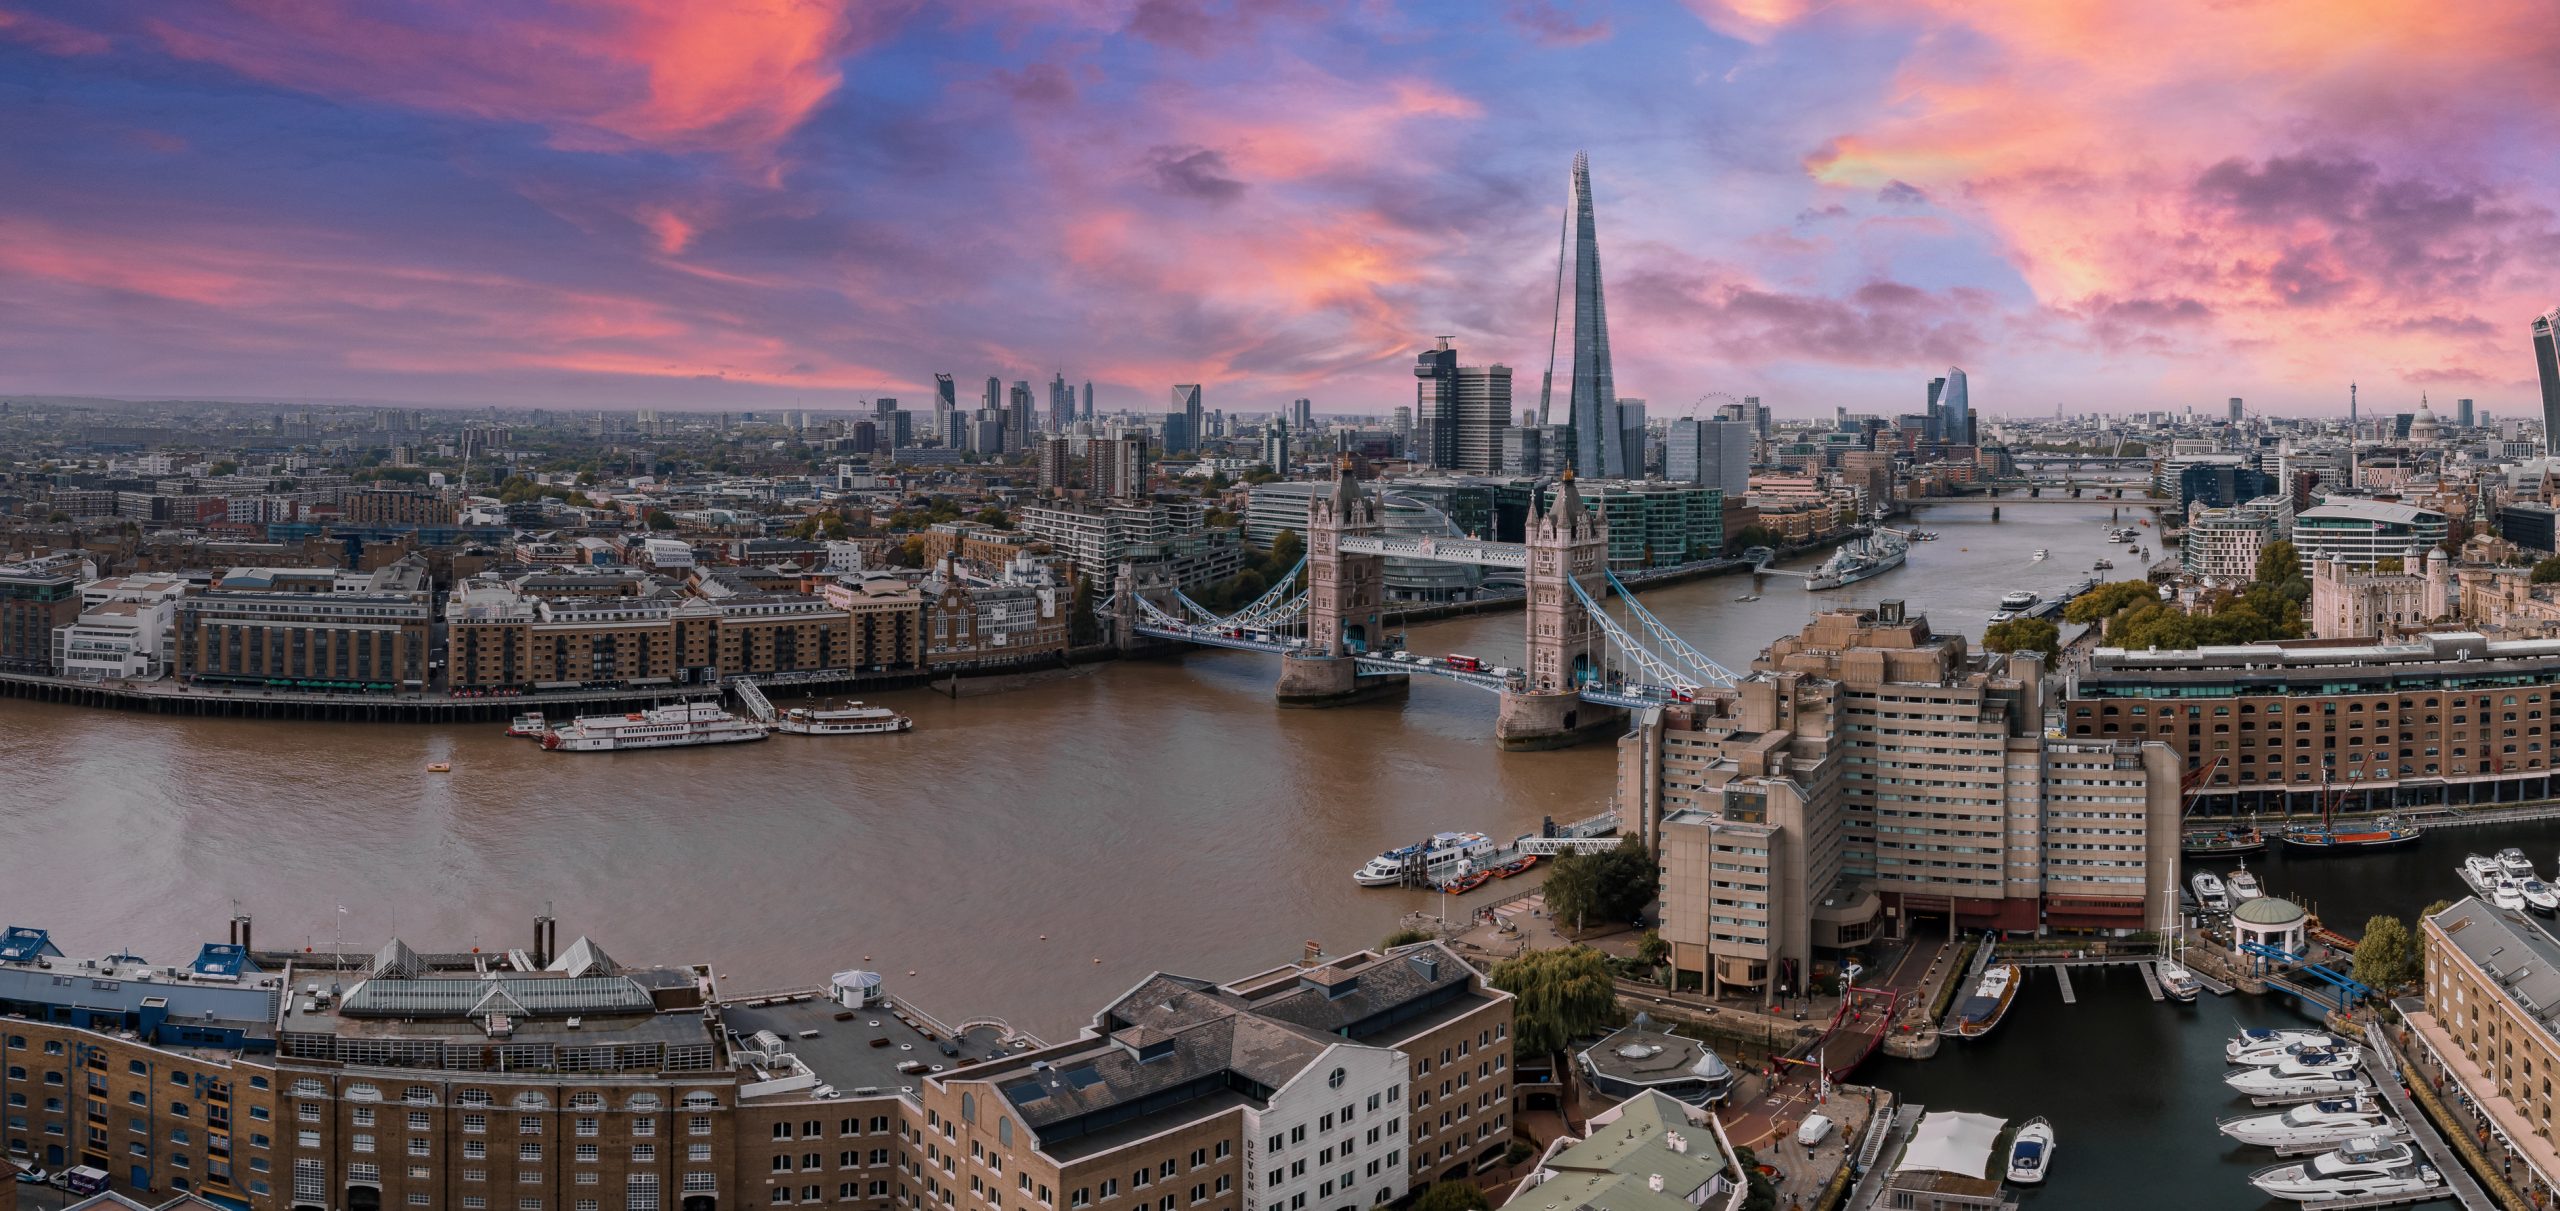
(1951, 1141)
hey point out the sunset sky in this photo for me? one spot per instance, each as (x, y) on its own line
(767, 203)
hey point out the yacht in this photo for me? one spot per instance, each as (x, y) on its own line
(2031, 1152)
(2507, 894)
(2208, 886)
(2480, 874)
(2103, 565)
(2020, 600)
(2328, 1046)
(2041, 554)
(2178, 983)
(853, 719)
(2361, 1168)
(2327, 1121)
(2517, 865)
(1438, 857)
(681, 725)
(2262, 1045)
(1989, 1001)
(528, 725)
(2307, 1077)
(2540, 898)
(2244, 886)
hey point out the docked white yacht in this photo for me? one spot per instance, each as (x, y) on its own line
(2311, 1076)
(2178, 983)
(2507, 894)
(2327, 1121)
(677, 726)
(2540, 898)
(1439, 857)
(2517, 866)
(2041, 554)
(2019, 600)
(2480, 873)
(2360, 1169)
(2262, 1045)
(2209, 893)
(2031, 1152)
(2244, 886)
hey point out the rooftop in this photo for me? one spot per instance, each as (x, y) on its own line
(2513, 951)
(1646, 1139)
(1638, 1054)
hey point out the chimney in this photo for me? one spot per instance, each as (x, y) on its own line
(1654, 1183)
(1315, 951)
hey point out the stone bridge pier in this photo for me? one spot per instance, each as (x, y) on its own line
(1567, 544)
(1346, 599)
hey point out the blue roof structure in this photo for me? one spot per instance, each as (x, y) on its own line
(20, 944)
(223, 960)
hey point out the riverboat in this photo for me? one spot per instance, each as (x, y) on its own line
(2387, 832)
(2031, 1152)
(528, 725)
(2367, 1170)
(1860, 559)
(2239, 840)
(2019, 600)
(1438, 856)
(852, 719)
(1989, 1001)
(681, 725)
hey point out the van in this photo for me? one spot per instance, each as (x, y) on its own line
(1816, 1129)
(84, 1180)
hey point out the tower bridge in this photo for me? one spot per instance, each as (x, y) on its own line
(1585, 666)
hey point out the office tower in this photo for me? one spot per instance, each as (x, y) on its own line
(1062, 404)
(2462, 413)
(1175, 433)
(1116, 466)
(2546, 359)
(1956, 409)
(1087, 414)
(1302, 415)
(1631, 428)
(1756, 414)
(1435, 406)
(1483, 414)
(946, 407)
(2235, 409)
(1600, 443)
(1536, 451)
(1186, 400)
(1053, 463)
(1403, 425)
(1715, 453)
(1275, 446)
(1017, 418)
(1936, 428)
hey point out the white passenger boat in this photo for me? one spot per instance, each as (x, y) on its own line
(2019, 600)
(2307, 1077)
(1439, 857)
(2364, 1169)
(2261, 1045)
(528, 725)
(2244, 886)
(852, 719)
(678, 726)
(2327, 1121)
(2208, 887)
(2041, 554)
(2507, 894)
(2517, 866)
(2031, 1152)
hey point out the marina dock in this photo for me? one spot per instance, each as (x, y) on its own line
(2382, 1063)
(2062, 974)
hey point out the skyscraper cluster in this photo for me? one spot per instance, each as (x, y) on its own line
(2546, 361)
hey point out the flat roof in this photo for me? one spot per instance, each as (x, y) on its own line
(856, 1049)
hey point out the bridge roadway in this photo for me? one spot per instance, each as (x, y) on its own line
(2077, 502)
(1637, 697)
(1440, 550)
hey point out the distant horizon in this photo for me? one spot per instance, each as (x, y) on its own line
(805, 202)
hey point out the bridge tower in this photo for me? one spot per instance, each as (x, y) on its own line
(1129, 584)
(1567, 544)
(1346, 596)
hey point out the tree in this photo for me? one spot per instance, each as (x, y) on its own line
(908, 554)
(2419, 934)
(994, 516)
(1652, 950)
(1451, 1196)
(1405, 937)
(1763, 1192)
(1750, 536)
(226, 467)
(1612, 885)
(2104, 601)
(2278, 562)
(2547, 571)
(1562, 995)
(2024, 635)
(2387, 956)
(1082, 625)
(1286, 550)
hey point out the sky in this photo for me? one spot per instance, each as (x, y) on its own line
(738, 204)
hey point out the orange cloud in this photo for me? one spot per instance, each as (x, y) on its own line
(733, 77)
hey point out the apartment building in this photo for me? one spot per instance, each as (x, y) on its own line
(398, 507)
(502, 632)
(1874, 771)
(317, 628)
(2444, 718)
(2491, 1029)
(38, 596)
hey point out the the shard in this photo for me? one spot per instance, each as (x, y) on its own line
(1599, 440)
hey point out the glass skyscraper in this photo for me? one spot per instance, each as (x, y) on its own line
(1955, 411)
(2546, 359)
(1600, 440)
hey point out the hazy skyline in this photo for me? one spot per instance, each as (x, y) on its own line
(785, 203)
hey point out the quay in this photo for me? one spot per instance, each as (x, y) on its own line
(2382, 1063)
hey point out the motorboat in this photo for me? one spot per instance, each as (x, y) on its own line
(2364, 1168)
(2209, 891)
(2002, 615)
(2507, 894)
(2318, 1044)
(1437, 859)
(2540, 898)
(2019, 600)
(2517, 866)
(2481, 873)
(2178, 983)
(2031, 1152)
(2041, 554)
(2102, 565)
(2327, 1121)
(1989, 1001)
(1748, 597)
(2244, 886)
(2269, 1044)
(2307, 1077)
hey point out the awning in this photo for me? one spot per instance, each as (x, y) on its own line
(1951, 1141)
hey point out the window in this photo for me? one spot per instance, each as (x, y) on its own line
(528, 1152)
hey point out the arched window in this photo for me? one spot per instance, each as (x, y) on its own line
(1004, 1131)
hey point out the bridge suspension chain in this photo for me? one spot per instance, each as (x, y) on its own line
(1654, 667)
(1673, 645)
